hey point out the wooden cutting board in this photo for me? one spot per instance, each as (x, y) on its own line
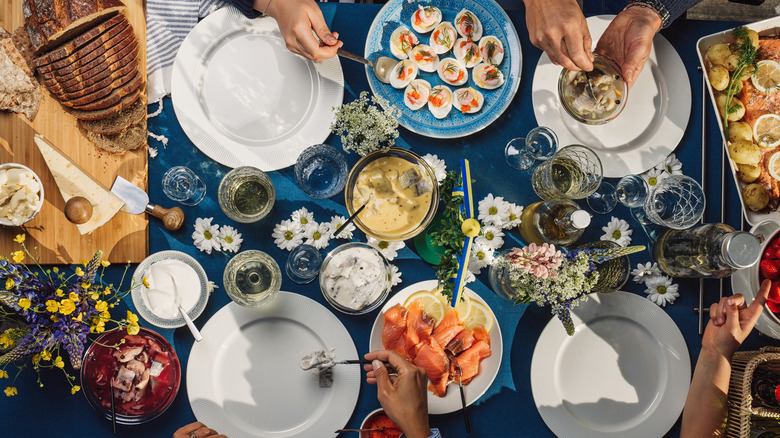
(125, 237)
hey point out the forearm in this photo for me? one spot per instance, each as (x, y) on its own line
(706, 406)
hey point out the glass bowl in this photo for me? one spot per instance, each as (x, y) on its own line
(321, 171)
(382, 173)
(341, 287)
(100, 366)
(6, 166)
(609, 97)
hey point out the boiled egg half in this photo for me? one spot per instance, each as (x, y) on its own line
(453, 71)
(440, 101)
(425, 18)
(402, 40)
(403, 74)
(416, 94)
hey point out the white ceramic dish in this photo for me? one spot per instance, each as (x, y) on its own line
(244, 99)
(745, 281)
(4, 166)
(138, 299)
(765, 27)
(243, 379)
(488, 367)
(624, 373)
(649, 127)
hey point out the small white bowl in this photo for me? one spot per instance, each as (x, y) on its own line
(371, 415)
(769, 229)
(6, 222)
(138, 299)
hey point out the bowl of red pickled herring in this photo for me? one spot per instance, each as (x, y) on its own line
(400, 192)
(145, 370)
(379, 420)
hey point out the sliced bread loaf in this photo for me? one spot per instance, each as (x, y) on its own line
(132, 138)
(103, 83)
(71, 46)
(97, 74)
(119, 123)
(114, 97)
(89, 51)
(133, 76)
(105, 113)
(51, 22)
(84, 73)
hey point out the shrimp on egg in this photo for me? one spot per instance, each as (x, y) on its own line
(402, 40)
(453, 71)
(416, 94)
(492, 50)
(403, 73)
(426, 18)
(468, 100)
(468, 25)
(424, 57)
(440, 101)
(467, 52)
(443, 38)
(488, 76)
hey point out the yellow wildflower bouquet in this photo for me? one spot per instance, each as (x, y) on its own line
(51, 313)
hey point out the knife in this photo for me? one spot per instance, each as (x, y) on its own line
(137, 202)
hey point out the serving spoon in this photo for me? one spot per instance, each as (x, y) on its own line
(195, 333)
(381, 67)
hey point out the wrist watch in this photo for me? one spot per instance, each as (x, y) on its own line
(655, 5)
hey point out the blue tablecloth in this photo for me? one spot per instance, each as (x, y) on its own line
(508, 408)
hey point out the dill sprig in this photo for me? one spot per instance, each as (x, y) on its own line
(449, 236)
(744, 47)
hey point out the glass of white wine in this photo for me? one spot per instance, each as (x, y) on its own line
(574, 172)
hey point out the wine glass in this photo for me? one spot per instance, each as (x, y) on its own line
(631, 191)
(676, 202)
(522, 153)
(604, 199)
(573, 172)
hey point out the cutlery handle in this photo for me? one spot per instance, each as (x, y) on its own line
(191, 325)
(352, 56)
(172, 218)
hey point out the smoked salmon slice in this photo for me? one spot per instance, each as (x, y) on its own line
(433, 359)
(480, 334)
(419, 327)
(469, 361)
(461, 342)
(394, 329)
(448, 328)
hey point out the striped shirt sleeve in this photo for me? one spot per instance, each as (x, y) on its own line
(246, 7)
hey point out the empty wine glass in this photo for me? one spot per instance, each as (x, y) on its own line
(522, 153)
(676, 202)
(604, 199)
(631, 191)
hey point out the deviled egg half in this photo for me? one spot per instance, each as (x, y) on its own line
(425, 58)
(403, 74)
(426, 18)
(453, 71)
(467, 52)
(468, 25)
(416, 94)
(487, 76)
(443, 38)
(468, 100)
(492, 50)
(402, 40)
(440, 101)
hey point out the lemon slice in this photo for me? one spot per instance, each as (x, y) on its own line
(463, 306)
(479, 317)
(767, 76)
(766, 131)
(432, 305)
(773, 165)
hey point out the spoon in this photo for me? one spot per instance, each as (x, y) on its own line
(358, 430)
(382, 67)
(195, 333)
(113, 409)
(354, 215)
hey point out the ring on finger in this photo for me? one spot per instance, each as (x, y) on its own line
(193, 434)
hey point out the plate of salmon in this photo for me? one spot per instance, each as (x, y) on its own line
(463, 343)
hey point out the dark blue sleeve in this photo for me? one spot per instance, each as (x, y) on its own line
(246, 7)
(678, 7)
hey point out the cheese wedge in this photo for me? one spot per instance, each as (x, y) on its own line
(73, 181)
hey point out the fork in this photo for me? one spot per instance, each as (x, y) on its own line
(452, 356)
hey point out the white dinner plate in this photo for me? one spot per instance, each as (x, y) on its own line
(244, 99)
(244, 378)
(650, 126)
(743, 282)
(624, 373)
(488, 368)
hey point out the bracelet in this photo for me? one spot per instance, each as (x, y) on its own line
(267, 6)
(656, 6)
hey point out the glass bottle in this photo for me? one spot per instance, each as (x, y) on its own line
(766, 387)
(707, 251)
(557, 221)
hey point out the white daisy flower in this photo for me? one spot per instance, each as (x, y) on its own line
(654, 176)
(643, 272)
(388, 249)
(212, 286)
(288, 234)
(481, 256)
(660, 290)
(303, 217)
(617, 231)
(346, 233)
(492, 237)
(515, 211)
(317, 236)
(206, 235)
(438, 166)
(229, 238)
(493, 211)
(152, 152)
(671, 165)
(468, 277)
(395, 275)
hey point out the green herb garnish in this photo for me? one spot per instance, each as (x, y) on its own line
(747, 58)
(449, 236)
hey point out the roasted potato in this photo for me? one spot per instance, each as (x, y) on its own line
(745, 152)
(737, 114)
(740, 131)
(756, 197)
(717, 54)
(719, 77)
(732, 62)
(753, 35)
(748, 173)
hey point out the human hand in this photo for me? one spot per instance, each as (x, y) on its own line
(731, 321)
(559, 28)
(196, 430)
(405, 398)
(297, 19)
(629, 38)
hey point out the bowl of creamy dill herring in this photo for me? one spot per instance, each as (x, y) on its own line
(355, 278)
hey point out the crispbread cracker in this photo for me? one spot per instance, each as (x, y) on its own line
(18, 91)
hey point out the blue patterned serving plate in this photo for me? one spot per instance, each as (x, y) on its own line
(494, 21)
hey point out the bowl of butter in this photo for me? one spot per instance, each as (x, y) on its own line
(21, 194)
